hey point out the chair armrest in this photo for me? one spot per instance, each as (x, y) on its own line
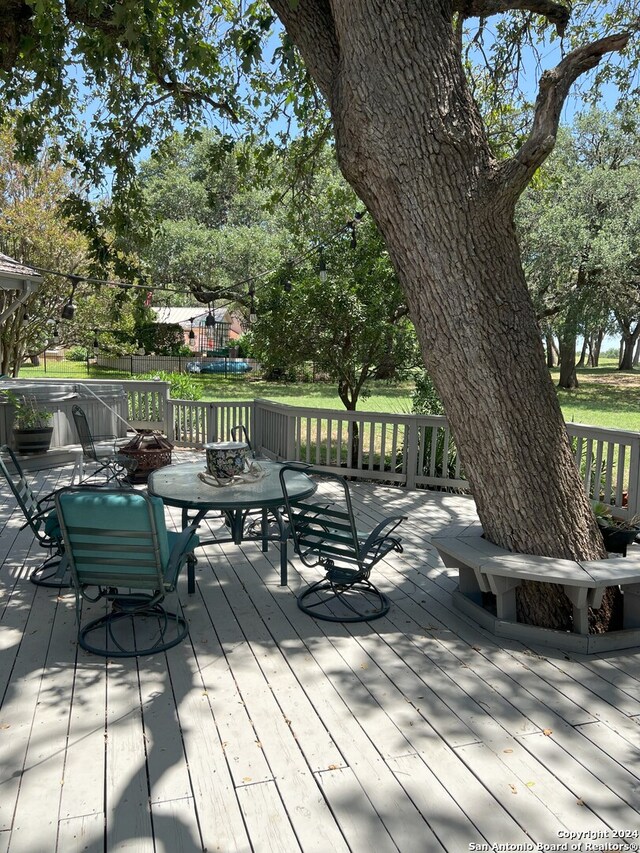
(42, 504)
(381, 531)
(181, 545)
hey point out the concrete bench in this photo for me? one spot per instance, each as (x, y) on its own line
(485, 567)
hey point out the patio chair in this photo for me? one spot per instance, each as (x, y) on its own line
(239, 433)
(103, 451)
(41, 517)
(324, 533)
(120, 551)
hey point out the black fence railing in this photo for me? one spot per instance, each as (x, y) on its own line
(135, 365)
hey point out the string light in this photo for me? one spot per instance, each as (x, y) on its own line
(69, 307)
(322, 265)
(286, 277)
(192, 334)
(210, 320)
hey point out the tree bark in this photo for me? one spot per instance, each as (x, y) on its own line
(550, 349)
(583, 352)
(568, 376)
(627, 344)
(411, 142)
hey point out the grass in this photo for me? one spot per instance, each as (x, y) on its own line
(384, 397)
(605, 397)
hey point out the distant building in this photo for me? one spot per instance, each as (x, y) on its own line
(193, 320)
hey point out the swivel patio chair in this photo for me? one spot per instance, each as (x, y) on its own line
(324, 532)
(41, 517)
(239, 433)
(120, 551)
(103, 451)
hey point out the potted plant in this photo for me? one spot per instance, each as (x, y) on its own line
(618, 533)
(32, 430)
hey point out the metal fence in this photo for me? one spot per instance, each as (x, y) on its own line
(58, 365)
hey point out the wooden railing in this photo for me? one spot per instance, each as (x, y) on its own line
(609, 463)
(415, 451)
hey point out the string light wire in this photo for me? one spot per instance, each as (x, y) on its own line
(78, 279)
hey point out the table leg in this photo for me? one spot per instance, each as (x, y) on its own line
(265, 529)
(191, 575)
(283, 530)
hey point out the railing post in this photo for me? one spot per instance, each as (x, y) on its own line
(411, 453)
(633, 493)
(212, 422)
(169, 419)
(255, 431)
(290, 454)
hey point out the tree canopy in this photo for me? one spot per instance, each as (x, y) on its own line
(110, 82)
(579, 231)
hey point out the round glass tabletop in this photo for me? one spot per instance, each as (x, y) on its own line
(179, 485)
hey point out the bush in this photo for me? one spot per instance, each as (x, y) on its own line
(425, 399)
(244, 344)
(182, 386)
(77, 354)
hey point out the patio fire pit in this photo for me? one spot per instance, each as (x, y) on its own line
(151, 450)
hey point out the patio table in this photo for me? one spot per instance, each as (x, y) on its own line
(179, 485)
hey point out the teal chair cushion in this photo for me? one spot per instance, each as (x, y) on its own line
(115, 512)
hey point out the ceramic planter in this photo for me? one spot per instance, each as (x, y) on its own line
(36, 440)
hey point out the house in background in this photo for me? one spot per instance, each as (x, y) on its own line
(206, 338)
(18, 282)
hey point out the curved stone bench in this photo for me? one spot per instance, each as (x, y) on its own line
(485, 567)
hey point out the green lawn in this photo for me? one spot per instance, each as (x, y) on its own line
(395, 399)
(605, 397)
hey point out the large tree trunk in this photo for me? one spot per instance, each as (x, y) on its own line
(597, 338)
(568, 376)
(628, 346)
(411, 143)
(550, 349)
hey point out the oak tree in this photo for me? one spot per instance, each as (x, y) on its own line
(411, 141)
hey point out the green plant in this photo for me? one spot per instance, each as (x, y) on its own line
(26, 415)
(77, 353)
(425, 399)
(606, 520)
(183, 386)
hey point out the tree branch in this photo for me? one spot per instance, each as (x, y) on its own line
(310, 26)
(554, 87)
(555, 13)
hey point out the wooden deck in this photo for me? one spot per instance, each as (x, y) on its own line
(268, 731)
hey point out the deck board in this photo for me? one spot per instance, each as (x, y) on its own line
(268, 731)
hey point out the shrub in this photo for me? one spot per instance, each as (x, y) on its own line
(182, 386)
(425, 399)
(77, 354)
